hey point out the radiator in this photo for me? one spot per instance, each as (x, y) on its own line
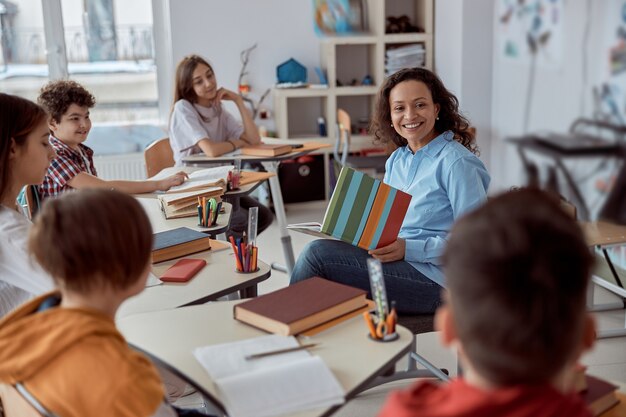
(130, 166)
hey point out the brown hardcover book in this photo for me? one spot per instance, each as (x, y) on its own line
(178, 242)
(599, 395)
(266, 150)
(300, 307)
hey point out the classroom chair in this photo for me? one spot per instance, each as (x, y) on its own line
(602, 235)
(32, 200)
(341, 152)
(158, 155)
(16, 401)
(609, 231)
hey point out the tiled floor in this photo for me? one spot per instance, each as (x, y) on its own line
(606, 360)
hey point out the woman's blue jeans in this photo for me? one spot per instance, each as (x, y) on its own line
(341, 262)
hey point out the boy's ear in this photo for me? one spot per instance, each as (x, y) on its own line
(444, 323)
(52, 124)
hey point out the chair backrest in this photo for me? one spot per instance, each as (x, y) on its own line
(13, 404)
(158, 155)
(344, 131)
(33, 200)
(614, 208)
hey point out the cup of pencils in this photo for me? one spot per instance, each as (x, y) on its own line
(245, 249)
(382, 328)
(246, 254)
(382, 323)
(234, 176)
(208, 209)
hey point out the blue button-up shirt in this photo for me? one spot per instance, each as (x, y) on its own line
(445, 180)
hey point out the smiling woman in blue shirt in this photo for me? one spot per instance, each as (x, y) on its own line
(436, 163)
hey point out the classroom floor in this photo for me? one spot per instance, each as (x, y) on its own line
(607, 360)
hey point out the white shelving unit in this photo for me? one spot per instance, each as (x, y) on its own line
(347, 58)
(344, 58)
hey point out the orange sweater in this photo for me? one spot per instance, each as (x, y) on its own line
(76, 363)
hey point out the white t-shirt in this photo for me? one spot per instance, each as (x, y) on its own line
(20, 277)
(192, 122)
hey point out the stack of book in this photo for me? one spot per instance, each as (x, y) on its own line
(409, 56)
(363, 211)
(185, 204)
(178, 242)
(264, 149)
(301, 307)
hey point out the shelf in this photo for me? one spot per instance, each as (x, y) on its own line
(300, 92)
(359, 90)
(407, 37)
(351, 39)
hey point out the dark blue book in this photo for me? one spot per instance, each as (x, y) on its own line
(178, 242)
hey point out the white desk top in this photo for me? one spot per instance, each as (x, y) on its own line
(171, 335)
(306, 148)
(160, 223)
(216, 279)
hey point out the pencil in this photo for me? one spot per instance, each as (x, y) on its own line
(280, 351)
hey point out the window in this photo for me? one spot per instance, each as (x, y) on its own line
(106, 45)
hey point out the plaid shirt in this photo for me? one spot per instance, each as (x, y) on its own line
(67, 164)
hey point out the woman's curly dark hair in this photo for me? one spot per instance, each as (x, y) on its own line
(449, 116)
(57, 96)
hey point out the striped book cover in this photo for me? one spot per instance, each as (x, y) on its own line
(364, 211)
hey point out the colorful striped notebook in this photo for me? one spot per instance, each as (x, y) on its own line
(365, 211)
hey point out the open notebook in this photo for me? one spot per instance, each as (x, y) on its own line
(272, 385)
(203, 178)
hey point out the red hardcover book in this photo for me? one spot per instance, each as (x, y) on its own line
(183, 270)
(599, 395)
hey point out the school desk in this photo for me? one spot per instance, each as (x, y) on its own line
(271, 165)
(160, 223)
(170, 336)
(602, 236)
(218, 278)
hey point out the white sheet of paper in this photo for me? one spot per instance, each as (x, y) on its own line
(153, 280)
(271, 385)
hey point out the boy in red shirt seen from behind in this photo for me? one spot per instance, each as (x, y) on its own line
(517, 271)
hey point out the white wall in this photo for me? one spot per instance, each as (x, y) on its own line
(219, 30)
(557, 96)
(463, 60)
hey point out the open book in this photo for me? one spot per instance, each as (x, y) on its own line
(203, 178)
(363, 211)
(271, 385)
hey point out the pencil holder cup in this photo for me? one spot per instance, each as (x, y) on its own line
(233, 180)
(379, 332)
(247, 272)
(386, 338)
(234, 176)
(245, 254)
